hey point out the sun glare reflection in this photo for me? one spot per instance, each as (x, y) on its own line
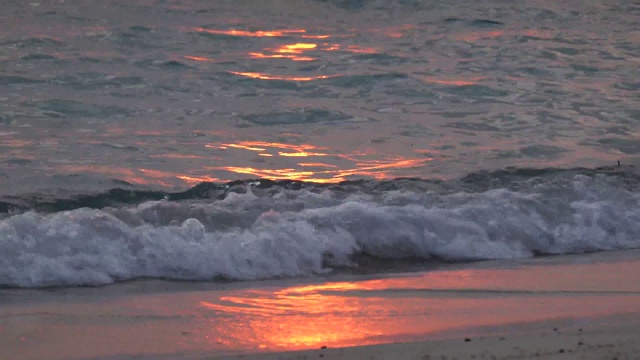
(311, 313)
(263, 145)
(198, 58)
(195, 180)
(247, 33)
(276, 174)
(296, 48)
(356, 313)
(300, 154)
(302, 50)
(287, 51)
(315, 37)
(296, 52)
(257, 55)
(350, 165)
(262, 76)
(280, 320)
(316, 164)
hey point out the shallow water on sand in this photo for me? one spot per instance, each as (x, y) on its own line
(150, 319)
(171, 93)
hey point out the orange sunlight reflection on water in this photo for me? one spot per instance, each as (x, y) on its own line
(287, 51)
(302, 50)
(197, 58)
(297, 162)
(295, 51)
(348, 165)
(262, 76)
(247, 33)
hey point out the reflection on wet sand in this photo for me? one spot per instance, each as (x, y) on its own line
(349, 313)
(159, 319)
(309, 317)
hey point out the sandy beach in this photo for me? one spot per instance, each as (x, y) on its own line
(611, 339)
(583, 307)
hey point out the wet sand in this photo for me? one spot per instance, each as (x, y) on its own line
(584, 306)
(611, 339)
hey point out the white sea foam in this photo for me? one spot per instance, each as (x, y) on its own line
(298, 232)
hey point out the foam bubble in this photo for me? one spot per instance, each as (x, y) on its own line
(302, 232)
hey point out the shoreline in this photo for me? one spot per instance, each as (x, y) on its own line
(379, 316)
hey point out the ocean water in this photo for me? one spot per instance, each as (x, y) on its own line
(239, 140)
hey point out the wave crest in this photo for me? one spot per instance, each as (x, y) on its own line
(257, 233)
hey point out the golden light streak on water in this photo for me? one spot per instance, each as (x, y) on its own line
(247, 33)
(296, 48)
(197, 58)
(316, 164)
(351, 165)
(316, 36)
(276, 174)
(287, 51)
(349, 48)
(195, 180)
(262, 146)
(245, 145)
(257, 55)
(378, 171)
(301, 154)
(295, 51)
(263, 76)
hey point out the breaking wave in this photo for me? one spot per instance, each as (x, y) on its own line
(263, 229)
